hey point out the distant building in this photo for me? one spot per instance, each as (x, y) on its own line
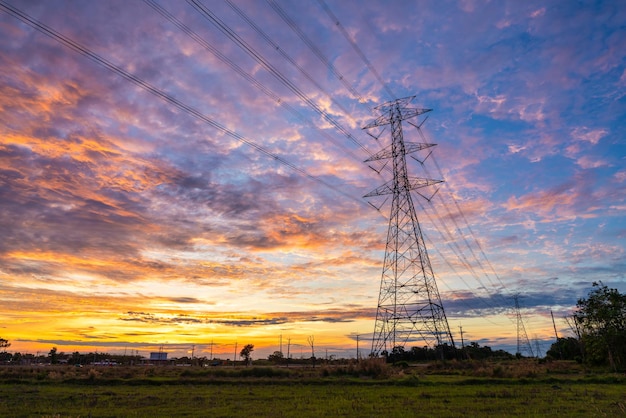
(158, 357)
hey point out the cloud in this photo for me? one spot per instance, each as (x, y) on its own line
(588, 162)
(244, 320)
(538, 13)
(593, 136)
(565, 201)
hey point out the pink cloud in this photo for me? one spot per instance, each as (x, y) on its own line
(589, 162)
(585, 134)
(504, 23)
(538, 13)
(514, 149)
(552, 204)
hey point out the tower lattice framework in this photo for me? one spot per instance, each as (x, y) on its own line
(409, 306)
(523, 343)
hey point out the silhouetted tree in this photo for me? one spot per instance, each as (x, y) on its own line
(246, 353)
(601, 318)
(276, 357)
(17, 358)
(565, 349)
(53, 356)
(4, 344)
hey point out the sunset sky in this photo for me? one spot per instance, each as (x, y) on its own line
(196, 174)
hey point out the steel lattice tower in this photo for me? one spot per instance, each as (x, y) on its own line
(522, 338)
(409, 306)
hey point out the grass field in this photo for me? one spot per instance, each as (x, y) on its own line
(56, 391)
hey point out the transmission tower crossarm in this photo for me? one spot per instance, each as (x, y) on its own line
(412, 183)
(409, 148)
(403, 113)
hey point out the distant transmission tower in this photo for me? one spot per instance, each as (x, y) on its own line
(409, 306)
(523, 343)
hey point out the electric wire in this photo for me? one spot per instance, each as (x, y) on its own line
(471, 231)
(252, 80)
(318, 53)
(467, 224)
(451, 216)
(356, 48)
(459, 251)
(445, 283)
(456, 250)
(233, 36)
(69, 43)
(287, 57)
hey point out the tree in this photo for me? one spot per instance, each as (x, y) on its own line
(565, 349)
(246, 353)
(601, 318)
(277, 357)
(311, 340)
(397, 354)
(4, 344)
(53, 356)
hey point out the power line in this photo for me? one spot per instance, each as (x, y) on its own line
(286, 56)
(356, 48)
(233, 36)
(318, 53)
(276, 98)
(456, 249)
(69, 43)
(469, 228)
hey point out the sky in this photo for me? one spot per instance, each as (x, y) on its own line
(191, 176)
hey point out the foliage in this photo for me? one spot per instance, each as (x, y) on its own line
(565, 349)
(53, 355)
(4, 356)
(277, 357)
(472, 351)
(4, 343)
(601, 319)
(246, 353)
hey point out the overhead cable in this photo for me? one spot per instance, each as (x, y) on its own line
(69, 43)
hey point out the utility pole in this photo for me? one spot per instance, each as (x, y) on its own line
(311, 341)
(463, 353)
(462, 342)
(409, 306)
(556, 334)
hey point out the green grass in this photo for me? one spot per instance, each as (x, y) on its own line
(171, 392)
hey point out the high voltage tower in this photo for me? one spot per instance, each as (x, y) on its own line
(409, 305)
(523, 343)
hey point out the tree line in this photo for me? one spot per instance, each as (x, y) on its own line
(599, 325)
